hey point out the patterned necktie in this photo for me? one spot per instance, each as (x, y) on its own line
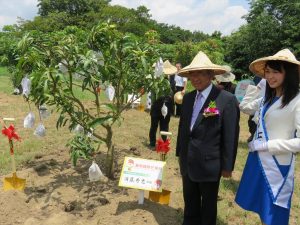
(196, 108)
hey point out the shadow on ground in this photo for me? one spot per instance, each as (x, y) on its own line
(164, 215)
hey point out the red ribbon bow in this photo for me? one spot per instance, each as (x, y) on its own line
(10, 133)
(163, 146)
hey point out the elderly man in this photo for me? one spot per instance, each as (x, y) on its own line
(207, 140)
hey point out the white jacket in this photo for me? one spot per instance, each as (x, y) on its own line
(282, 124)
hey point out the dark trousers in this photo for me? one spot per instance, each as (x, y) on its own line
(200, 201)
(163, 126)
(178, 106)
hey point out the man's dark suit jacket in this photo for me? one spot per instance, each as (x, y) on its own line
(211, 146)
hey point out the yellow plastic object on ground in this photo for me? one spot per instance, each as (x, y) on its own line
(141, 107)
(14, 182)
(160, 197)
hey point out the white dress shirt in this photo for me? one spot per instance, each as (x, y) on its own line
(205, 93)
(179, 81)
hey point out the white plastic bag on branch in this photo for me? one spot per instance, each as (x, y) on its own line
(26, 85)
(94, 172)
(100, 58)
(40, 131)
(110, 92)
(16, 91)
(62, 67)
(44, 112)
(78, 76)
(90, 134)
(159, 66)
(29, 120)
(78, 129)
(164, 110)
(148, 106)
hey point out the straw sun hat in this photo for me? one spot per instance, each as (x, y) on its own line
(202, 62)
(226, 77)
(168, 68)
(258, 66)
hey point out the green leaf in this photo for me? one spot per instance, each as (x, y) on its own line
(109, 106)
(99, 121)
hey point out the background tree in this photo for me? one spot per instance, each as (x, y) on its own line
(9, 37)
(257, 39)
(71, 7)
(271, 25)
(214, 48)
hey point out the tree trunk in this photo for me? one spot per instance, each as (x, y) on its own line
(110, 153)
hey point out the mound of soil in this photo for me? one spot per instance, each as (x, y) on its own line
(59, 194)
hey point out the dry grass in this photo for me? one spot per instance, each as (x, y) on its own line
(132, 133)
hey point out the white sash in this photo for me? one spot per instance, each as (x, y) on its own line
(281, 188)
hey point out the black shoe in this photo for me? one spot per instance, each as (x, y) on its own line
(219, 198)
(152, 147)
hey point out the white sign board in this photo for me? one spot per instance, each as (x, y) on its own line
(142, 174)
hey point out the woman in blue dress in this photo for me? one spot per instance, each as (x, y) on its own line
(267, 182)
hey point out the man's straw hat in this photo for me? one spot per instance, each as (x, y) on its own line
(225, 77)
(258, 66)
(178, 97)
(202, 62)
(168, 68)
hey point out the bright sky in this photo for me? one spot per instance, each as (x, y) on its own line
(201, 15)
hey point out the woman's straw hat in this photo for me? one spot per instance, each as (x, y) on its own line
(202, 62)
(178, 97)
(168, 68)
(258, 66)
(225, 77)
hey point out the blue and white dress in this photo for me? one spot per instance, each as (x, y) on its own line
(267, 182)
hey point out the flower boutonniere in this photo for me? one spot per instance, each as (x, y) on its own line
(211, 110)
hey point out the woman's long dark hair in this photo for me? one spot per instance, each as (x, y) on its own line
(290, 84)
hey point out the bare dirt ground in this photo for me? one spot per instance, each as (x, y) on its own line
(59, 194)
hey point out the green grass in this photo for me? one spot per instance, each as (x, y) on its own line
(30, 145)
(83, 95)
(3, 72)
(5, 82)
